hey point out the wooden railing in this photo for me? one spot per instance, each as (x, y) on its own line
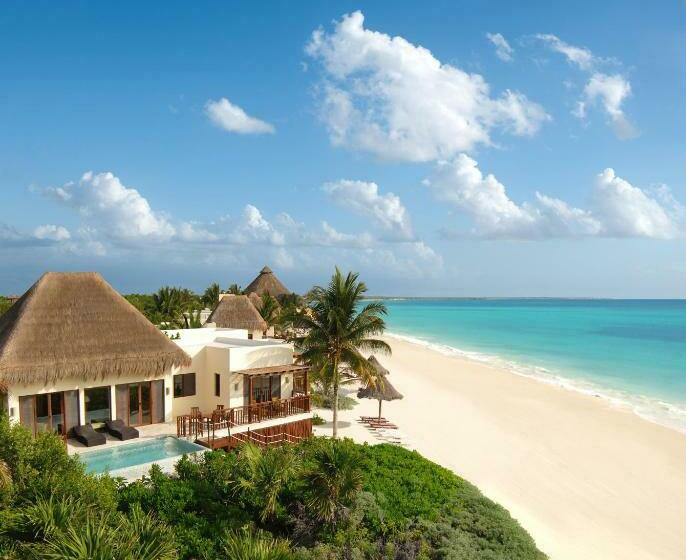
(260, 412)
(188, 425)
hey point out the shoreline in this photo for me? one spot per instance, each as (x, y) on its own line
(650, 409)
(585, 478)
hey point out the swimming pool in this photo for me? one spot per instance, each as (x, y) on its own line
(139, 453)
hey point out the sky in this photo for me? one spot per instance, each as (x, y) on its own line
(438, 149)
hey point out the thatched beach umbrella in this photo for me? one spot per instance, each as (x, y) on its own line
(380, 370)
(383, 390)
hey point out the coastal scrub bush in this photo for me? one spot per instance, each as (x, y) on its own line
(321, 499)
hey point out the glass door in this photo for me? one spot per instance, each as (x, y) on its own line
(134, 405)
(43, 412)
(146, 405)
(140, 403)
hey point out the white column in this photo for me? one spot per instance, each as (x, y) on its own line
(13, 405)
(113, 402)
(82, 407)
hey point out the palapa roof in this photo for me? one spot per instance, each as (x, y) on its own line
(255, 300)
(267, 282)
(380, 370)
(74, 325)
(237, 312)
(383, 391)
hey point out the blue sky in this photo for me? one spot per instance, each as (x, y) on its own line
(454, 149)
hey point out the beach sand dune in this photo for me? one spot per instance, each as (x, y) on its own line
(586, 479)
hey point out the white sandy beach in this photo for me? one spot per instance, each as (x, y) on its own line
(587, 480)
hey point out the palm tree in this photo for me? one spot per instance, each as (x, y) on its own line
(5, 475)
(333, 480)
(337, 329)
(168, 305)
(269, 309)
(234, 289)
(211, 296)
(265, 474)
(260, 545)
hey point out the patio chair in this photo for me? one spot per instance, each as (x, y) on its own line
(88, 436)
(120, 430)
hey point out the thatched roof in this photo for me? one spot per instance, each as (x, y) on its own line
(380, 370)
(76, 326)
(383, 391)
(255, 300)
(267, 282)
(237, 312)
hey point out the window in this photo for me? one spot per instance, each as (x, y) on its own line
(97, 404)
(184, 385)
(217, 385)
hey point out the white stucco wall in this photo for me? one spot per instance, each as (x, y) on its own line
(16, 391)
(222, 351)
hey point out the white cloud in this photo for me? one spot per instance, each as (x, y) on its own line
(118, 221)
(253, 227)
(628, 211)
(394, 99)
(115, 210)
(363, 198)
(226, 115)
(617, 208)
(503, 50)
(51, 232)
(580, 56)
(112, 210)
(610, 91)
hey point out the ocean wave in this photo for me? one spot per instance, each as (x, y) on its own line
(654, 410)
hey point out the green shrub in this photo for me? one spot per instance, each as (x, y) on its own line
(320, 400)
(330, 499)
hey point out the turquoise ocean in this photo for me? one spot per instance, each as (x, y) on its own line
(632, 352)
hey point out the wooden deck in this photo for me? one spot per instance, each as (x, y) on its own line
(215, 430)
(291, 432)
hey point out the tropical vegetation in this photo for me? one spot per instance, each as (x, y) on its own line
(321, 499)
(337, 327)
(4, 305)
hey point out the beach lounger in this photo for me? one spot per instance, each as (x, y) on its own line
(382, 425)
(120, 430)
(88, 436)
(368, 419)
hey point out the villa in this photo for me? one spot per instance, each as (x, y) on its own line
(74, 352)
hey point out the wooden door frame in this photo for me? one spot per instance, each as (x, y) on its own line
(35, 411)
(153, 402)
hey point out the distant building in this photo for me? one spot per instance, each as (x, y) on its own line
(267, 283)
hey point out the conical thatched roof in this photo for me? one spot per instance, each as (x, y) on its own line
(383, 391)
(267, 282)
(380, 370)
(75, 325)
(237, 312)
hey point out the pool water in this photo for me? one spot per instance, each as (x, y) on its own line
(133, 454)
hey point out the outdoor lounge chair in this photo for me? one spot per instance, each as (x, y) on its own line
(120, 430)
(88, 436)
